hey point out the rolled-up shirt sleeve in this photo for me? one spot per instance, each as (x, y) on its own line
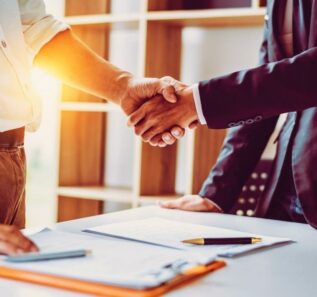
(38, 26)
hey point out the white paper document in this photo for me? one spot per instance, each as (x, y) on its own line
(113, 262)
(167, 233)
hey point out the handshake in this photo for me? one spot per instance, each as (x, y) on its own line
(159, 109)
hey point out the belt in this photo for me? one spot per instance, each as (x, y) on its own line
(12, 138)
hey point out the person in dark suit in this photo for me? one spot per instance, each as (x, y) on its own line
(249, 103)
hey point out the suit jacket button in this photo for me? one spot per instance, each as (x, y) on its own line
(240, 123)
(230, 125)
(258, 118)
(249, 121)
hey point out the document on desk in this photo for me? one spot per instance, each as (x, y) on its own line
(112, 262)
(167, 233)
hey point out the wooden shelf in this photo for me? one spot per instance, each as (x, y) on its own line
(100, 19)
(211, 17)
(110, 194)
(205, 17)
(89, 107)
(97, 193)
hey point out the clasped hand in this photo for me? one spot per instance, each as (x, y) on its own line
(160, 109)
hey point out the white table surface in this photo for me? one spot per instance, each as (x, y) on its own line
(288, 270)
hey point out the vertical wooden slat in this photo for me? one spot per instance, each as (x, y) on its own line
(82, 152)
(70, 208)
(84, 7)
(207, 145)
(165, 4)
(263, 3)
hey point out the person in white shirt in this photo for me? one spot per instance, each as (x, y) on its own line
(28, 35)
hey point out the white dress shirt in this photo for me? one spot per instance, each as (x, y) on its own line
(287, 43)
(25, 28)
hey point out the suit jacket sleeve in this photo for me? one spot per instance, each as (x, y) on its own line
(248, 96)
(240, 153)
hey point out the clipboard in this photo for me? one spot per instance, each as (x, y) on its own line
(98, 289)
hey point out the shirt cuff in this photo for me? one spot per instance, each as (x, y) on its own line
(41, 32)
(198, 106)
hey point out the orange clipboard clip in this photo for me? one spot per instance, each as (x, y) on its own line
(103, 290)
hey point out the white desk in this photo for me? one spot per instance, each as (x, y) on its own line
(281, 271)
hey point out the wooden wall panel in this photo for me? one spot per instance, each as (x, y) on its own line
(163, 56)
(71, 209)
(82, 152)
(164, 4)
(84, 7)
(207, 145)
(263, 3)
(81, 160)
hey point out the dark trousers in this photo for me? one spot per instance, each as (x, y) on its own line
(12, 186)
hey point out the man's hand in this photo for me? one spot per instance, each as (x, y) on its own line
(192, 203)
(13, 242)
(157, 116)
(140, 91)
(168, 87)
(169, 138)
(175, 133)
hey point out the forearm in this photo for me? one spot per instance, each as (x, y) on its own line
(70, 60)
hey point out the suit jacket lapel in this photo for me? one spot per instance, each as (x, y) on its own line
(276, 10)
(312, 40)
(301, 24)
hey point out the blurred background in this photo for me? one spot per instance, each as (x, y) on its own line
(224, 37)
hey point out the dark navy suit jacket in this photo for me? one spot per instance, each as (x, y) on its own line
(250, 102)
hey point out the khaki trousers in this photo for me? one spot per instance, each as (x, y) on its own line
(12, 186)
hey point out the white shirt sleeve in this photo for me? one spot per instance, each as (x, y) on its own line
(198, 106)
(38, 26)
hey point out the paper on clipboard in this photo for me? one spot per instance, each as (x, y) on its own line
(113, 262)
